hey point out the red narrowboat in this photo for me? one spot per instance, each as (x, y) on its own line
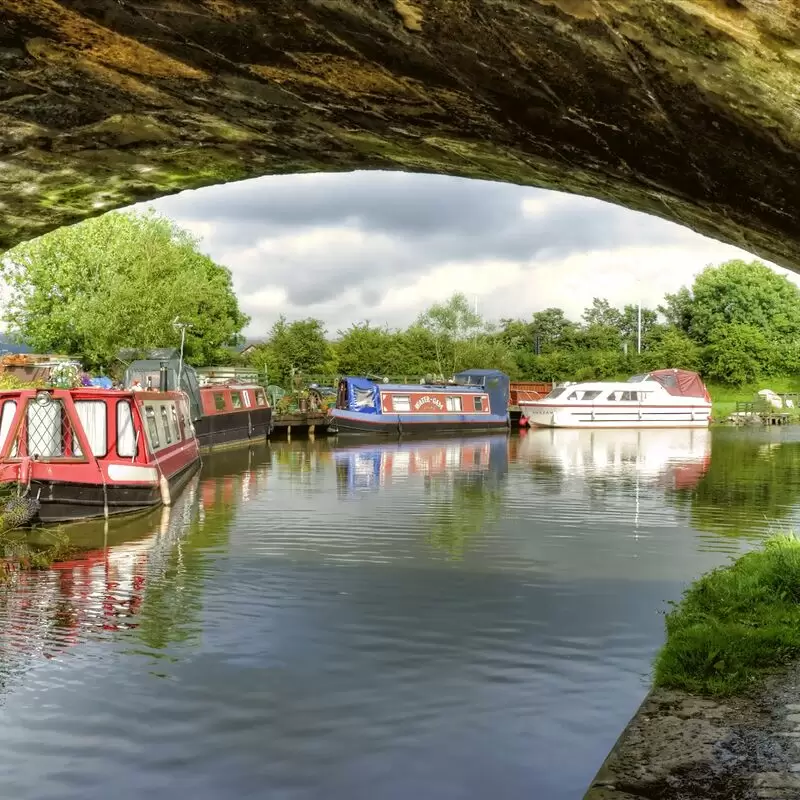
(88, 452)
(223, 414)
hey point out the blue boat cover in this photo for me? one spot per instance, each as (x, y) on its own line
(363, 396)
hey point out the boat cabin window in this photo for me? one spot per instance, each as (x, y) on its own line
(236, 399)
(556, 393)
(49, 433)
(92, 414)
(219, 401)
(152, 427)
(246, 398)
(453, 403)
(176, 424)
(591, 395)
(165, 424)
(624, 397)
(126, 437)
(6, 418)
(401, 402)
(363, 398)
(479, 404)
(261, 400)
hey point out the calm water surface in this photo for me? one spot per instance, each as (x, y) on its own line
(457, 619)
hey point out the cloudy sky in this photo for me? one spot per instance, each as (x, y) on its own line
(383, 246)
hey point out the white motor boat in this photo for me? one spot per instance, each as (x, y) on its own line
(666, 398)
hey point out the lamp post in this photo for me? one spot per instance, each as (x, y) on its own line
(180, 326)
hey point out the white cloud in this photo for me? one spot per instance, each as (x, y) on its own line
(383, 246)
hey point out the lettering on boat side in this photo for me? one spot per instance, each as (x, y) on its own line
(428, 400)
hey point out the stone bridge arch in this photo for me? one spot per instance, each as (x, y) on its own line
(687, 109)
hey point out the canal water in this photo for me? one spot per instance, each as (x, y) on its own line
(450, 619)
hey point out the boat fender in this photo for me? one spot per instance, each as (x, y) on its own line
(163, 485)
(25, 471)
(523, 422)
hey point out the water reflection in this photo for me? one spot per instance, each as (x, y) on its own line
(443, 619)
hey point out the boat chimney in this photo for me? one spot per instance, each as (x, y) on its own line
(163, 377)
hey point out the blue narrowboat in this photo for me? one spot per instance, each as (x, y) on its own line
(475, 400)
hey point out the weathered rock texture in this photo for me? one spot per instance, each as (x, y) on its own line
(687, 109)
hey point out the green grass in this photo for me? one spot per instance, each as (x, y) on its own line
(735, 624)
(724, 398)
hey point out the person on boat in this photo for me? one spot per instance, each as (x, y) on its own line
(137, 386)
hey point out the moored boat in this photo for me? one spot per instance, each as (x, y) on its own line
(223, 414)
(476, 400)
(87, 452)
(667, 398)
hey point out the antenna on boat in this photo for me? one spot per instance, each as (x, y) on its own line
(180, 326)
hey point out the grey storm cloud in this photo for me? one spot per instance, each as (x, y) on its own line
(411, 224)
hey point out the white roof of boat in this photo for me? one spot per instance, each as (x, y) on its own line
(610, 386)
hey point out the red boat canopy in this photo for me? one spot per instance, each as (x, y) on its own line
(681, 383)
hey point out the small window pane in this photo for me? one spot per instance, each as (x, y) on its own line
(9, 409)
(126, 437)
(150, 415)
(401, 402)
(479, 404)
(453, 403)
(572, 396)
(591, 395)
(165, 424)
(92, 415)
(176, 424)
(261, 400)
(219, 401)
(246, 397)
(236, 399)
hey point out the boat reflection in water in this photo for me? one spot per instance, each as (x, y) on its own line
(669, 458)
(125, 567)
(374, 466)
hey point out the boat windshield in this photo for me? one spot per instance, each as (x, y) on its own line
(638, 378)
(556, 393)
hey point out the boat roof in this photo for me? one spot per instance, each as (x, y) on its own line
(453, 388)
(625, 386)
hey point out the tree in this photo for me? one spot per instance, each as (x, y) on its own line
(745, 294)
(118, 282)
(451, 324)
(601, 312)
(551, 327)
(292, 348)
(629, 325)
(674, 349)
(737, 354)
(364, 350)
(677, 309)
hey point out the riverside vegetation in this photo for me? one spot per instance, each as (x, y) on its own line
(736, 624)
(118, 281)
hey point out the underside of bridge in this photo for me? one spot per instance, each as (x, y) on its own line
(688, 109)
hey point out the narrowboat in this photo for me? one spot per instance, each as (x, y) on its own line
(667, 398)
(475, 400)
(88, 452)
(223, 414)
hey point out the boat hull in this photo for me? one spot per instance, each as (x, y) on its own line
(64, 501)
(395, 425)
(600, 417)
(229, 430)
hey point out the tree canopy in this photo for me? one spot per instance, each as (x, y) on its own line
(119, 281)
(737, 323)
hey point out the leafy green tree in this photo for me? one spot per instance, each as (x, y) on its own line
(677, 309)
(629, 325)
(119, 281)
(552, 328)
(601, 312)
(741, 293)
(673, 349)
(293, 349)
(366, 350)
(738, 354)
(451, 324)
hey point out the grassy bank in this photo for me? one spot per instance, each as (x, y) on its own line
(724, 398)
(735, 624)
